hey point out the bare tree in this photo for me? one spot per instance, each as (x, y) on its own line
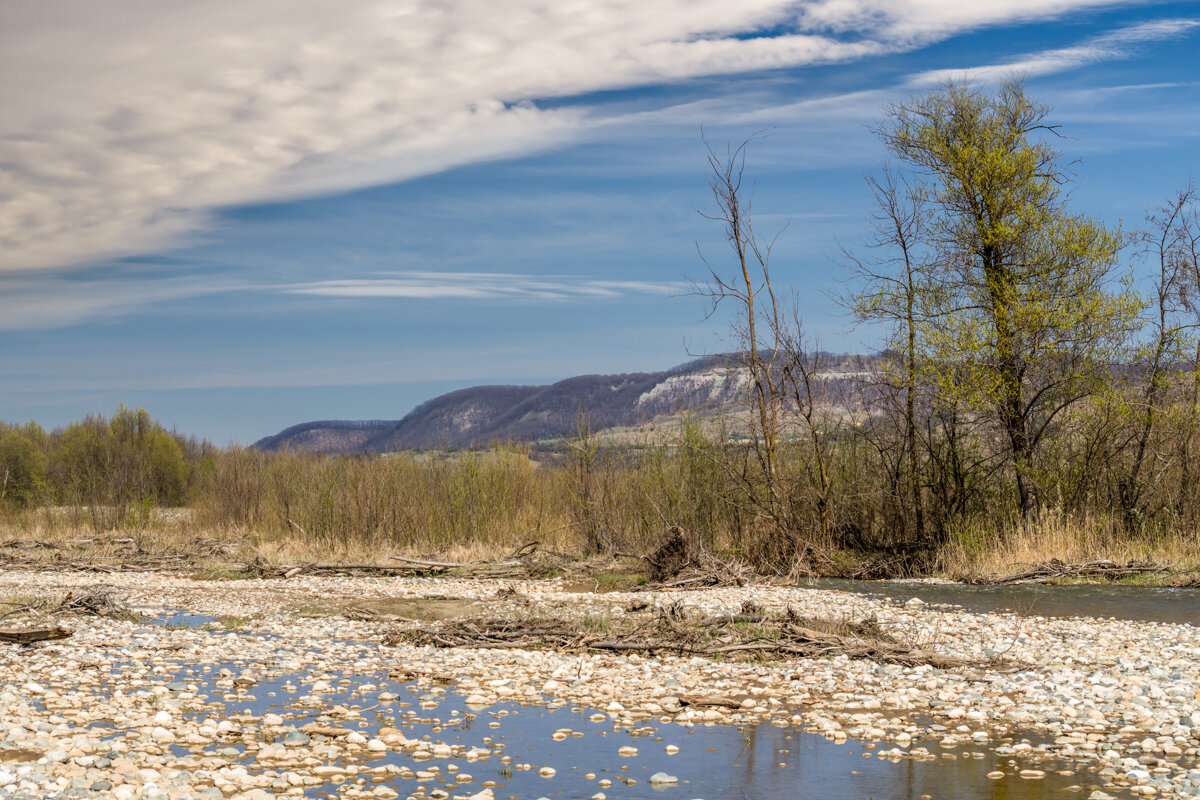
(757, 309)
(1170, 240)
(890, 289)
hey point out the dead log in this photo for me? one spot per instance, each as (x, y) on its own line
(32, 635)
(712, 700)
(670, 631)
(325, 730)
(441, 564)
(264, 570)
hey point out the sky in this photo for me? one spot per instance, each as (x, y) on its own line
(246, 214)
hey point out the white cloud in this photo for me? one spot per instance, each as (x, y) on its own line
(125, 123)
(1111, 46)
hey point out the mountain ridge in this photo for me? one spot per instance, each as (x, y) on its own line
(479, 415)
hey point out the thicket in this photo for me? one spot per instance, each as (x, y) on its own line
(98, 468)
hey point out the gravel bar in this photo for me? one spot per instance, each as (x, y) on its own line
(116, 710)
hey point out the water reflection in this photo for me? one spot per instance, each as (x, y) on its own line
(713, 762)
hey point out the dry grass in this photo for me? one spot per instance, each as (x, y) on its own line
(39, 536)
(984, 551)
(34, 537)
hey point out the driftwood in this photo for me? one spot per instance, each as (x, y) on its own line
(459, 565)
(27, 544)
(172, 562)
(436, 564)
(325, 730)
(712, 700)
(32, 635)
(262, 569)
(1054, 569)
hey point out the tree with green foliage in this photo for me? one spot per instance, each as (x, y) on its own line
(22, 464)
(1021, 317)
(111, 465)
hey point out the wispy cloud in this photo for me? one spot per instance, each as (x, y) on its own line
(125, 124)
(50, 300)
(34, 302)
(1115, 45)
(478, 285)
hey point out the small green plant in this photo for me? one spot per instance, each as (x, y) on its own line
(610, 580)
(234, 623)
(597, 623)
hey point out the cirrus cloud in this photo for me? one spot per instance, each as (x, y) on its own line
(127, 123)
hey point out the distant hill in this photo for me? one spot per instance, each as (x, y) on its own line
(326, 436)
(481, 415)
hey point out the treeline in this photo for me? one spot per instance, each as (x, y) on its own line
(843, 503)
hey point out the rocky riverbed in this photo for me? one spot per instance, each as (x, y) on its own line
(273, 688)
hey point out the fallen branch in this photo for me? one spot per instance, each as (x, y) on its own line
(262, 569)
(1055, 568)
(527, 549)
(456, 565)
(443, 564)
(171, 562)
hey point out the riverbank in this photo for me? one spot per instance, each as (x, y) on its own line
(174, 544)
(1119, 700)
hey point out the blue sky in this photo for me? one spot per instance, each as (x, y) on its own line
(243, 215)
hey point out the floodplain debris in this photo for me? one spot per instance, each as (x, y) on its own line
(100, 601)
(751, 634)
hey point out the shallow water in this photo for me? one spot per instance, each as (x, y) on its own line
(180, 618)
(1139, 603)
(761, 761)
